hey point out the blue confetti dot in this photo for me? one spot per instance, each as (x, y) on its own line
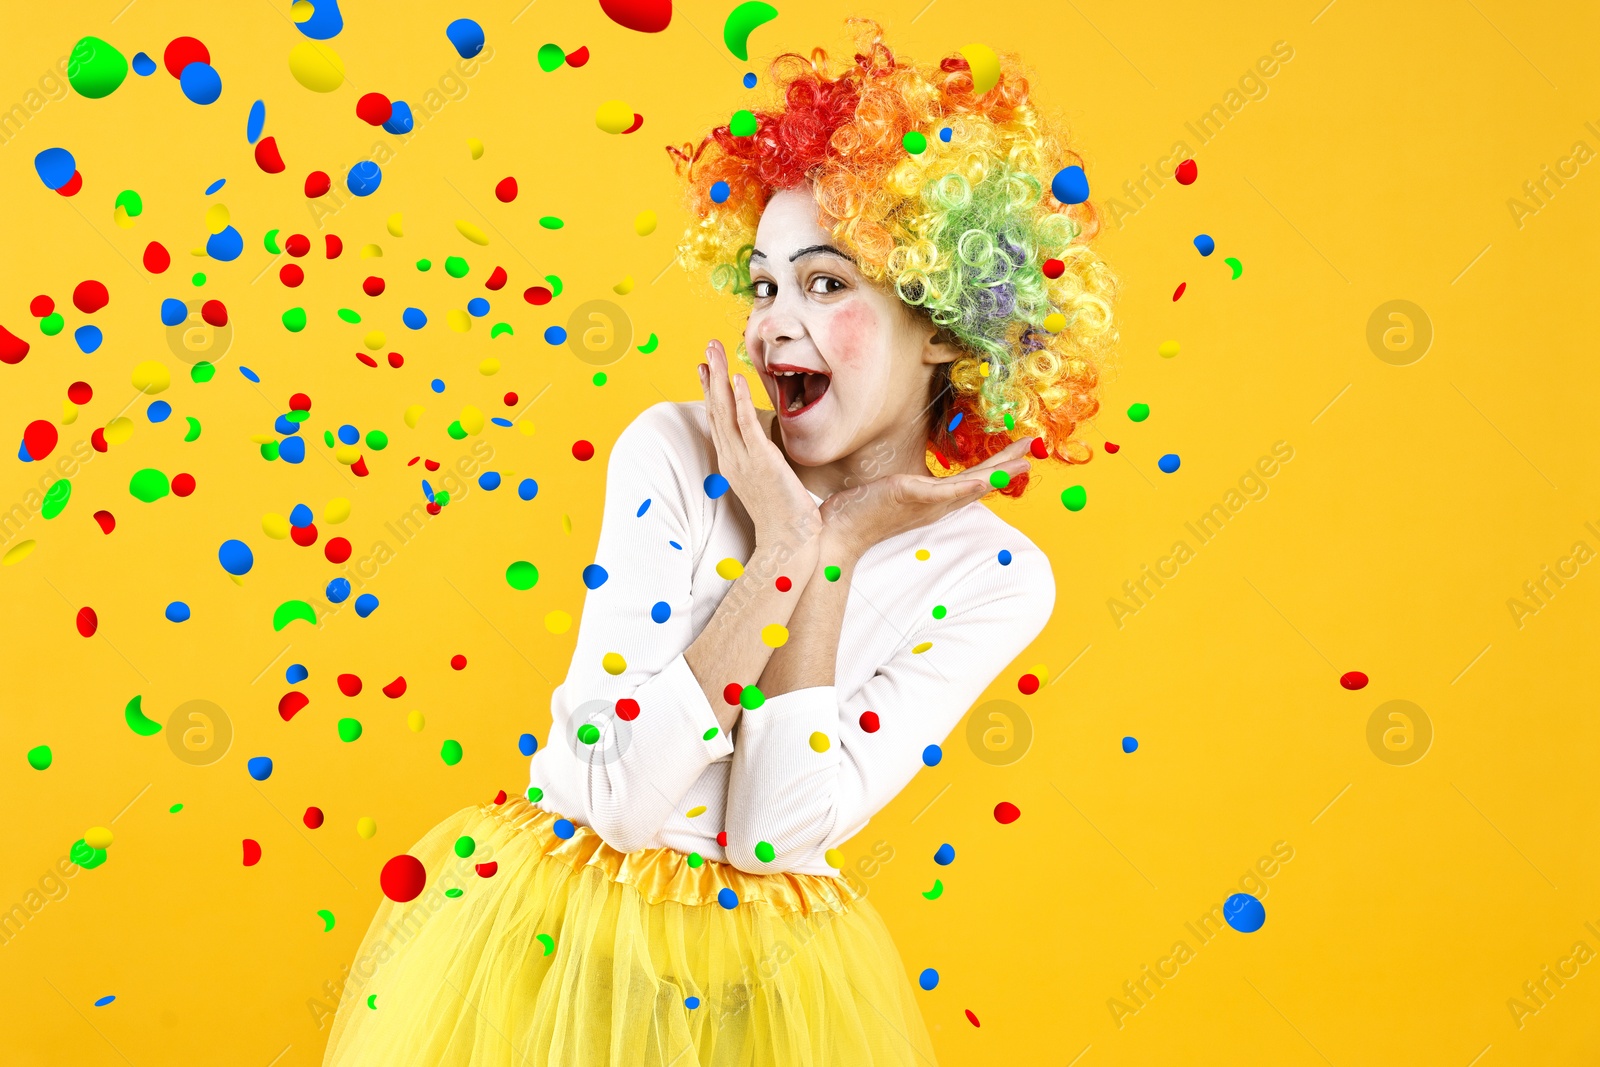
(945, 856)
(527, 489)
(1244, 913)
(527, 744)
(296, 673)
(932, 755)
(366, 604)
(675, 545)
(214, 186)
(88, 338)
(338, 591)
(498, 421)
(1204, 244)
(727, 898)
(489, 480)
(660, 611)
(945, 134)
(364, 178)
(227, 245)
(1004, 557)
(256, 122)
(437, 385)
(1070, 185)
(1168, 463)
(1130, 744)
(301, 515)
(158, 411)
(348, 434)
(285, 426)
(956, 421)
(715, 485)
(103, 1001)
(413, 318)
(477, 307)
(719, 192)
(201, 83)
(325, 21)
(749, 80)
(248, 373)
(928, 978)
(694, 1002)
(554, 335)
(564, 829)
(235, 556)
(260, 767)
(594, 576)
(55, 167)
(467, 36)
(292, 449)
(642, 509)
(22, 453)
(177, 611)
(400, 118)
(173, 312)
(143, 65)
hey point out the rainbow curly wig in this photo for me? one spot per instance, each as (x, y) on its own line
(958, 218)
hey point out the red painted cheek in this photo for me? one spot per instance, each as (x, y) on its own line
(851, 335)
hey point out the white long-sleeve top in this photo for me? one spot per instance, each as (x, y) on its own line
(670, 776)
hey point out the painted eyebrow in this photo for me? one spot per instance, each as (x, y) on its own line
(808, 250)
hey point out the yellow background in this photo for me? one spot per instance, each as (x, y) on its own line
(1419, 499)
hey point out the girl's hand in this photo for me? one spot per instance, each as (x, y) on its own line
(855, 519)
(779, 506)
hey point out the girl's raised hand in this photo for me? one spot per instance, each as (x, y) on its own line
(759, 475)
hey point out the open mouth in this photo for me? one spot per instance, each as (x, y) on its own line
(798, 388)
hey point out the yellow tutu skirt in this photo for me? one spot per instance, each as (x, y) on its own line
(568, 953)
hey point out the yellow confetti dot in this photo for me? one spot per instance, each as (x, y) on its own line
(396, 227)
(624, 287)
(489, 367)
(613, 116)
(458, 320)
(698, 809)
(834, 857)
(373, 251)
(613, 663)
(367, 827)
(1055, 322)
(819, 742)
(923, 553)
(412, 415)
(525, 427)
(984, 66)
(1040, 671)
(918, 650)
(98, 837)
(1168, 349)
(566, 523)
(730, 568)
(69, 413)
(347, 454)
(471, 232)
(983, 368)
(374, 339)
(316, 66)
(217, 218)
(472, 419)
(338, 509)
(19, 552)
(301, 11)
(416, 722)
(644, 223)
(121, 217)
(119, 430)
(774, 636)
(475, 146)
(558, 622)
(151, 376)
(275, 526)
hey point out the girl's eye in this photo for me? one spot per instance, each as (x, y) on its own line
(829, 284)
(763, 288)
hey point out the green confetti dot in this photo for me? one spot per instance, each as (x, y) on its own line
(130, 202)
(424, 264)
(555, 283)
(455, 430)
(751, 698)
(914, 142)
(452, 893)
(465, 846)
(831, 573)
(86, 857)
(743, 123)
(194, 428)
(450, 752)
(349, 315)
(588, 733)
(599, 377)
(327, 438)
(149, 485)
(294, 320)
(456, 267)
(269, 450)
(442, 497)
(52, 324)
(202, 372)
(499, 328)
(522, 575)
(695, 859)
(1011, 422)
(550, 222)
(349, 729)
(1074, 497)
(939, 611)
(140, 723)
(55, 498)
(297, 416)
(765, 852)
(95, 69)
(999, 479)
(535, 794)
(199, 279)
(709, 734)
(175, 809)
(377, 440)
(40, 758)
(1139, 412)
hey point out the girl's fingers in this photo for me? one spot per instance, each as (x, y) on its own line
(719, 400)
(745, 412)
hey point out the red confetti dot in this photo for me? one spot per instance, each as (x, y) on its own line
(337, 550)
(181, 51)
(506, 191)
(511, 400)
(971, 1018)
(318, 183)
(431, 464)
(487, 870)
(722, 839)
(374, 109)
(579, 57)
(869, 721)
(268, 158)
(1187, 172)
(182, 484)
(783, 583)
(500, 797)
(291, 703)
(458, 662)
(940, 457)
(107, 521)
(730, 693)
(156, 258)
(582, 451)
(349, 684)
(1179, 292)
(332, 245)
(643, 16)
(1028, 685)
(215, 313)
(627, 709)
(373, 286)
(41, 306)
(252, 852)
(396, 689)
(497, 280)
(1353, 680)
(638, 120)
(434, 507)
(312, 818)
(89, 297)
(1039, 449)
(368, 360)
(359, 467)
(396, 359)
(80, 392)
(538, 294)
(1054, 268)
(299, 402)
(291, 275)
(1112, 449)
(88, 621)
(403, 878)
(72, 186)
(13, 349)
(304, 536)
(1006, 812)
(97, 439)
(39, 438)
(297, 245)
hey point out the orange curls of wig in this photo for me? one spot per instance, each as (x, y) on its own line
(961, 229)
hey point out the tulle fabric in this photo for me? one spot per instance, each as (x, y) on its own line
(800, 973)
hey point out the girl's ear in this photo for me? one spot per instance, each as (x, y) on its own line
(940, 347)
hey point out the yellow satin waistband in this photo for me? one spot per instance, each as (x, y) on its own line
(664, 874)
